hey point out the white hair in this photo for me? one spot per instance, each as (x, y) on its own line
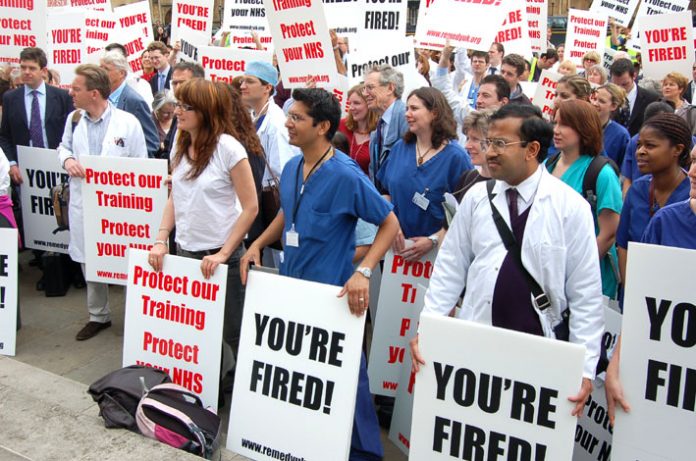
(116, 59)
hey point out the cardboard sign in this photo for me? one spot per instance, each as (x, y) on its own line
(135, 31)
(100, 28)
(226, 63)
(587, 31)
(651, 8)
(546, 92)
(22, 24)
(174, 321)
(302, 42)
(190, 43)
(396, 53)
(41, 171)
(193, 15)
(297, 371)
(123, 200)
(400, 428)
(66, 46)
(658, 364)
(667, 43)
(404, 284)
(340, 91)
(474, 396)
(94, 5)
(514, 33)
(593, 433)
(608, 58)
(8, 290)
(621, 10)
(380, 19)
(443, 20)
(422, 39)
(240, 19)
(537, 20)
(344, 16)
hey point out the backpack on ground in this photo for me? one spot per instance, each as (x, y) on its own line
(119, 392)
(174, 415)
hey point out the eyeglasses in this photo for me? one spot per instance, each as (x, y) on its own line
(499, 145)
(294, 118)
(371, 87)
(184, 107)
(590, 60)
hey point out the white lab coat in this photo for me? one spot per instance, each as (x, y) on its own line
(275, 142)
(559, 250)
(122, 125)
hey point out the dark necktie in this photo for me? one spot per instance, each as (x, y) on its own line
(492, 70)
(380, 141)
(512, 203)
(161, 82)
(35, 130)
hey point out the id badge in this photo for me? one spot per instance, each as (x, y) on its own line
(292, 238)
(420, 201)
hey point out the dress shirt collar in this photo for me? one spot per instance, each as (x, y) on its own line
(527, 188)
(41, 90)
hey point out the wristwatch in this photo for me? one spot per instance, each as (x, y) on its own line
(433, 238)
(366, 271)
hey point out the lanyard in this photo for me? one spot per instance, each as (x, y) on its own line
(302, 187)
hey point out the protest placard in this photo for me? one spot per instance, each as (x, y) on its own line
(96, 5)
(651, 8)
(223, 64)
(421, 38)
(22, 24)
(344, 16)
(135, 31)
(240, 19)
(302, 42)
(608, 58)
(340, 90)
(123, 201)
(100, 27)
(400, 427)
(8, 291)
(41, 171)
(66, 46)
(174, 320)
(667, 44)
(546, 92)
(474, 396)
(299, 356)
(587, 31)
(400, 301)
(514, 33)
(397, 53)
(443, 20)
(382, 20)
(593, 433)
(621, 10)
(195, 16)
(658, 364)
(190, 43)
(537, 20)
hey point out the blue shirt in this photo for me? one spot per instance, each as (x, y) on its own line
(629, 167)
(335, 196)
(402, 178)
(616, 138)
(116, 94)
(635, 215)
(673, 226)
(28, 99)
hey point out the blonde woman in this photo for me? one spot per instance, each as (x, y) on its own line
(607, 99)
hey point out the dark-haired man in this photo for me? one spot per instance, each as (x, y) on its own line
(551, 223)
(323, 193)
(624, 74)
(512, 69)
(543, 62)
(159, 56)
(493, 93)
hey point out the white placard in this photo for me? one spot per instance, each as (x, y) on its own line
(174, 321)
(608, 58)
(422, 39)
(621, 10)
(443, 20)
(297, 372)
(404, 284)
(100, 29)
(382, 20)
(123, 201)
(513, 400)
(23, 24)
(66, 42)
(195, 16)
(240, 19)
(400, 427)
(344, 16)
(340, 91)
(190, 43)
(650, 8)
(514, 33)
(96, 5)
(8, 290)
(41, 171)
(667, 43)
(546, 92)
(587, 31)
(397, 53)
(658, 364)
(302, 42)
(134, 31)
(224, 64)
(537, 18)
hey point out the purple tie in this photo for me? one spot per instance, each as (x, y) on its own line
(35, 130)
(512, 203)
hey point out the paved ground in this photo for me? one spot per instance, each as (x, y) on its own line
(47, 342)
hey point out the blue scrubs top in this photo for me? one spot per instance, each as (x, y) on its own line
(673, 226)
(335, 196)
(401, 177)
(636, 213)
(616, 138)
(629, 167)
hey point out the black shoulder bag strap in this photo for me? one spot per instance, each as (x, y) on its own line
(541, 301)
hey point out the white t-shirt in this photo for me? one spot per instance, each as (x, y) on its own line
(206, 208)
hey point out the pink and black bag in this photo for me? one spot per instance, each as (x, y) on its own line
(174, 415)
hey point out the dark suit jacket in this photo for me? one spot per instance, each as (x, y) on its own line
(154, 81)
(635, 121)
(689, 92)
(14, 128)
(131, 102)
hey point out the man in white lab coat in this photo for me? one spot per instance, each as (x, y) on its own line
(558, 249)
(101, 129)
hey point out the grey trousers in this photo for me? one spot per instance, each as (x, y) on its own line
(97, 300)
